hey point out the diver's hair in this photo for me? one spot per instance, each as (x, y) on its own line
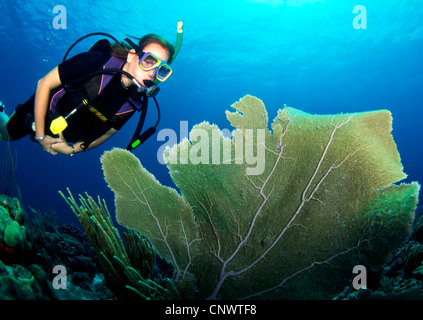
(155, 38)
(120, 50)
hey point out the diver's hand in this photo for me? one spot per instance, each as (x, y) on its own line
(48, 142)
(63, 148)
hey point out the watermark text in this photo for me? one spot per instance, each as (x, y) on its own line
(215, 146)
(60, 21)
(360, 20)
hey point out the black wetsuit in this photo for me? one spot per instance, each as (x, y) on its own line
(81, 126)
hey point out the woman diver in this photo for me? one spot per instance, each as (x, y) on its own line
(79, 104)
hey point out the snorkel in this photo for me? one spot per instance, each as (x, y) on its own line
(179, 35)
(178, 45)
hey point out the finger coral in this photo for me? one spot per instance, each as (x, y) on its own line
(126, 268)
(281, 213)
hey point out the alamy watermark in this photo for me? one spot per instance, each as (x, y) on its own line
(360, 20)
(215, 147)
(60, 21)
(60, 281)
(360, 280)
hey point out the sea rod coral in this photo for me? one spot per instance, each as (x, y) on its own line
(328, 199)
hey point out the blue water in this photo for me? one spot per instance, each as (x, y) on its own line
(303, 53)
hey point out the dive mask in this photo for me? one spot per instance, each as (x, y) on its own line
(149, 61)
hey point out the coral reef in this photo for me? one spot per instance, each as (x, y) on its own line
(19, 279)
(402, 276)
(65, 244)
(61, 245)
(13, 238)
(127, 268)
(30, 247)
(20, 283)
(8, 169)
(325, 201)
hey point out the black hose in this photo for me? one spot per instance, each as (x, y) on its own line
(86, 36)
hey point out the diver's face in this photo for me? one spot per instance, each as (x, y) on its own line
(133, 62)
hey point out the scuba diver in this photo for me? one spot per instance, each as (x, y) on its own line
(86, 99)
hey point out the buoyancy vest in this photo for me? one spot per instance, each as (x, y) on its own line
(71, 95)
